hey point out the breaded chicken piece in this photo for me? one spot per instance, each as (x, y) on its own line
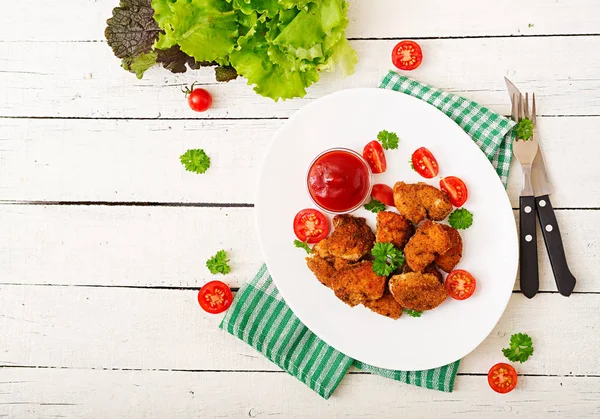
(393, 228)
(429, 241)
(351, 240)
(323, 270)
(326, 269)
(386, 306)
(429, 269)
(417, 201)
(417, 291)
(447, 261)
(358, 283)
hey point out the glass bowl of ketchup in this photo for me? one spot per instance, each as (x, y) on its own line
(339, 181)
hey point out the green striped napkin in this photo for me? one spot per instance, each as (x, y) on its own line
(260, 317)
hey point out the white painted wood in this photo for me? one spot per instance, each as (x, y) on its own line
(156, 394)
(96, 86)
(86, 327)
(76, 20)
(108, 160)
(168, 246)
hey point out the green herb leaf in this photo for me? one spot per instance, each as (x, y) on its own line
(521, 348)
(389, 140)
(375, 206)
(412, 166)
(524, 129)
(413, 313)
(195, 161)
(461, 219)
(387, 258)
(219, 264)
(303, 245)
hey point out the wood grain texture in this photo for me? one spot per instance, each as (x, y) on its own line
(168, 246)
(138, 161)
(156, 394)
(368, 19)
(87, 80)
(76, 327)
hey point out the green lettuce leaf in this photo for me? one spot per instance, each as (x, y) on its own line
(268, 7)
(204, 29)
(140, 63)
(273, 73)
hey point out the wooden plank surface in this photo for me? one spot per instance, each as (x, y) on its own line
(168, 246)
(368, 19)
(75, 160)
(98, 87)
(89, 327)
(158, 394)
(104, 280)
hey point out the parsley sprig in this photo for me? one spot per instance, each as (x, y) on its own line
(520, 349)
(524, 129)
(303, 245)
(387, 258)
(461, 219)
(413, 313)
(219, 263)
(195, 161)
(375, 206)
(389, 140)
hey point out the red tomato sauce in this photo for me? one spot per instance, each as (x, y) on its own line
(339, 181)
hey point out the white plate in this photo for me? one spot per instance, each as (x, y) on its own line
(352, 118)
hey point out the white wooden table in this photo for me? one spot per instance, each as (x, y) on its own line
(104, 236)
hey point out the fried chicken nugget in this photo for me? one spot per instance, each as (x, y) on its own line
(358, 283)
(386, 306)
(323, 270)
(429, 241)
(351, 240)
(417, 291)
(393, 228)
(417, 201)
(447, 261)
(429, 269)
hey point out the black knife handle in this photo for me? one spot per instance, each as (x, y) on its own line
(565, 281)
(528, 260)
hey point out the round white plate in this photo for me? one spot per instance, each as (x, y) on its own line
(351, 119)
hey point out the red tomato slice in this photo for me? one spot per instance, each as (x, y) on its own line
(407, 55)
(383, 193)
(215, 297)
(460, 284)
(374, 155)
(456, 190)
(502, 378)
(424, 163)
(310, 226)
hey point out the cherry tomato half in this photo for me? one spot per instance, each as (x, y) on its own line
(374, 155)
(460, 284)
(456, 190)
(310, 226)
(424, 163)
(215, 297)
(407, 55)
(199, 100)
(502, 378)
(383, 193)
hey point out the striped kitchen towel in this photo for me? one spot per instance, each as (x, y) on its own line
(260, 317)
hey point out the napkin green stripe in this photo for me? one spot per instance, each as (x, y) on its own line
(260, 317)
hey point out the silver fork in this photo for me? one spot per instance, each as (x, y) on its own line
(525, 151)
